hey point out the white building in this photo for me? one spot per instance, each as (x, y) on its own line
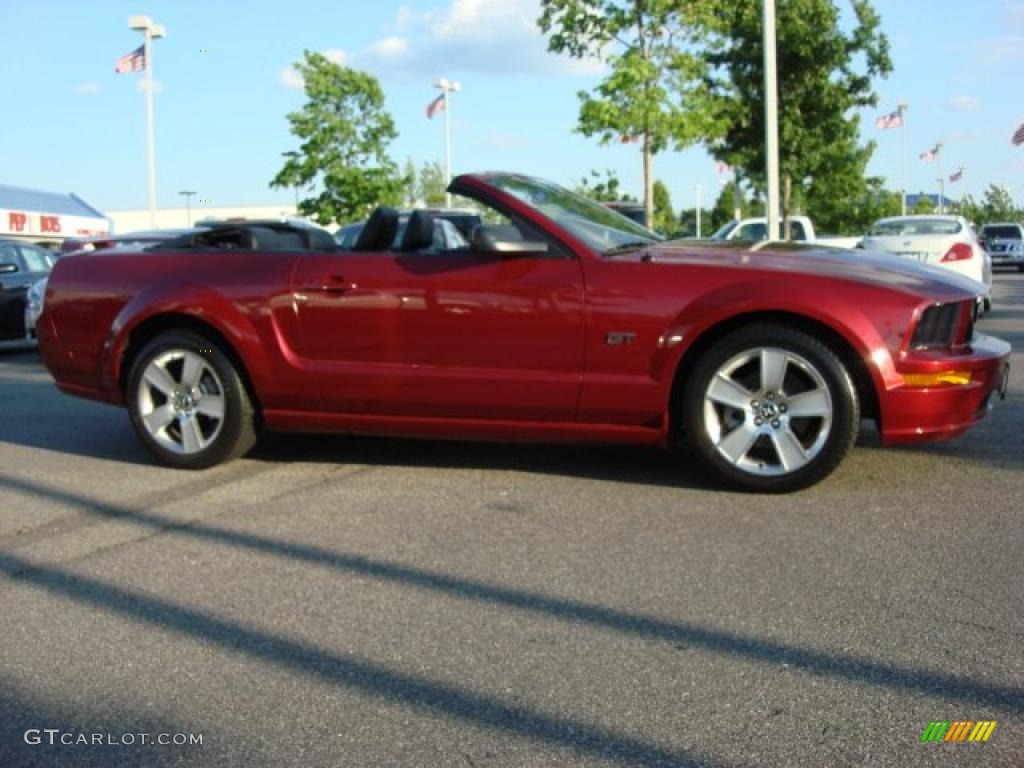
(135, 220)
(47, 217)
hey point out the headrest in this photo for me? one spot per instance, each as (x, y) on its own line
(419, 232)
(379, 231)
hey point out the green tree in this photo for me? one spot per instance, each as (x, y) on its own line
(345, 132)
(603, 188)
(824, 75)
(664, 217)
(687, 223)
(971, 209)
(924, 205)
(648, 47)
(411, 185)
(432, 184)
(725, 206)
(859, 214)
(997, 204)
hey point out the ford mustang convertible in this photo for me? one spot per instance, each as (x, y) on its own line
(560, 321)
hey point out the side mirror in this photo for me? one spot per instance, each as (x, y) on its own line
(500, 240)
(8, 267)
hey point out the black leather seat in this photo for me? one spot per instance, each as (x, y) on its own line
(419, 232)
(379, 231)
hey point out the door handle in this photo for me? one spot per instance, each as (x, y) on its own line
(332, 284)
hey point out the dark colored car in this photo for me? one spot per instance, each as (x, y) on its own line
(1004, 243)
(21, 266)
(562, 321)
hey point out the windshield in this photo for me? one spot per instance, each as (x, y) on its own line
(904, 227)
(1001, 232)
(596, 225)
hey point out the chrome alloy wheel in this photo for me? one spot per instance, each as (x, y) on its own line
(768, 411)
(181, 401)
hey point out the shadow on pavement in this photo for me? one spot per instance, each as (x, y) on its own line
(364, 675)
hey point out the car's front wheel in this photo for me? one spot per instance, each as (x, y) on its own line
(188, 403)
(770, 408)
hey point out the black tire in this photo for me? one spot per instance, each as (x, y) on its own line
(813, 379)
(218, 388)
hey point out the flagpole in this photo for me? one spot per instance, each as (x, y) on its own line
(446, 88)
(150, 32)
(942, 180)
(902, 106)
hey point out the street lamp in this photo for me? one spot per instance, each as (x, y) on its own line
(187, 194)
(902, 109)
(150, 32)
(771, 121)
(447, 87)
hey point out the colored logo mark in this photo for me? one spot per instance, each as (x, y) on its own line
(958, 730)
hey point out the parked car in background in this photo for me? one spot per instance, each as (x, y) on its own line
(940, 240)
(447, 236)
(1004, 243)
(22, 265)
(801, 231)
(631, 210)
(562, 321)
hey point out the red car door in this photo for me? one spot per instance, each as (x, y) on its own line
(443, 334)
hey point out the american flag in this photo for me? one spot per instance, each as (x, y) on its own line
(931, 154)
(132, 62)
(1018, 136)
(892, 120)
(722, 167)
(957, 176)
(437, 105)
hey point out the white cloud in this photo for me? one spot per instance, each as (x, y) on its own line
(964, 103)
(391, 47)
(493, 36)
(336, 55)
(88, 89)
(158, 87)
(291, 79)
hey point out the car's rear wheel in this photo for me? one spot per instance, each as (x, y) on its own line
(188, 402)
(771, 409)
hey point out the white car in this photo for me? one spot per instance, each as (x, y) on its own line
(945, 241)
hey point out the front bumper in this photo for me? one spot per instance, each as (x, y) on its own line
(1007, 259)
(921, 414)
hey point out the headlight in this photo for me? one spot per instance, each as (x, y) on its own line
(36, 293)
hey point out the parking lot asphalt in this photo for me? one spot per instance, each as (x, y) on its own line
(340, 601)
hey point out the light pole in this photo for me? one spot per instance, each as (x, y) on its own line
(447, 87)
(187, 194)
(150, 32)
(902, 107)
(699, 203)
(771, 121)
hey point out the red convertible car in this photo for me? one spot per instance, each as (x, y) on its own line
(562, 321)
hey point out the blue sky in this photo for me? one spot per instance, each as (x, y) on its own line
(73, 125)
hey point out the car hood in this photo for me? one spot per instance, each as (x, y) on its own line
(872, 268)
